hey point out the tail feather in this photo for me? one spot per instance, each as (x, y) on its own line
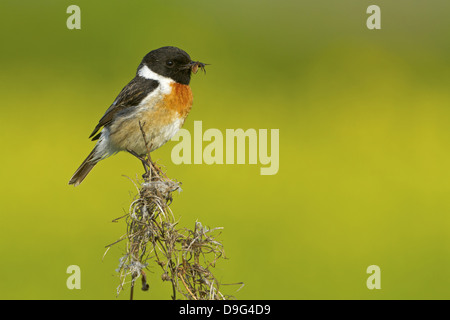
(84, 169)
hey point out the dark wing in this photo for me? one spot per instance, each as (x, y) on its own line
(130, 96)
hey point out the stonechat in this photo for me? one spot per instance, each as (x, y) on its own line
(148, 111)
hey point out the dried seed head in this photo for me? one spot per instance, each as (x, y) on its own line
(165, 277)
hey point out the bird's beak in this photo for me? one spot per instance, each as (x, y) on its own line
(195, 65)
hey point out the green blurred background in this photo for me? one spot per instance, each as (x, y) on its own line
(364, 144)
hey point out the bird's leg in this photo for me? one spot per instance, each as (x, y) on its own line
(149, 163)
(144, 163)
(154, 170)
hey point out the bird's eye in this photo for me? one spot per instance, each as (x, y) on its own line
(169, 63)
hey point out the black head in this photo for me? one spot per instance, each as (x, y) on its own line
(172, 62)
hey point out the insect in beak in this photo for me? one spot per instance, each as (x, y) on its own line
(195, 65)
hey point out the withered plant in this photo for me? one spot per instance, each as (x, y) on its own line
(185, 256)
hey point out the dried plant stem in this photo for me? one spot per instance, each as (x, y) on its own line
(185, 256)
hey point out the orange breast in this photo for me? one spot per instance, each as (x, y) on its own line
(180, 99)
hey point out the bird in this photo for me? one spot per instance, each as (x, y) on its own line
(147, 112)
